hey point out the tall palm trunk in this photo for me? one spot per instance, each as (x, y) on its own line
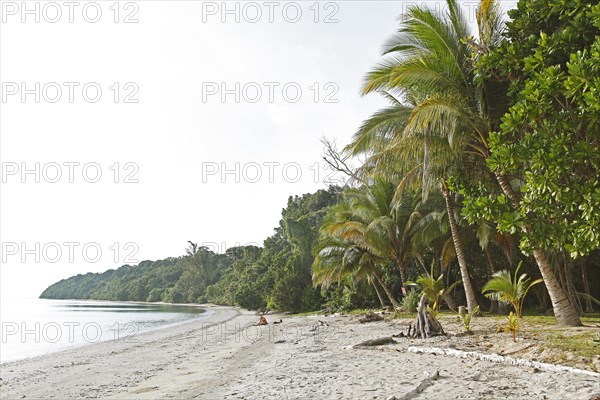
(402, 269)
(397, 254)
(491, 271)
(460, 255)
(378, 294)
(387, 291)
(563, 310)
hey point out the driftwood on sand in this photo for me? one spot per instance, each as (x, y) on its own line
(426, 325)
(496, 358)
(376, 342)
(421, 386)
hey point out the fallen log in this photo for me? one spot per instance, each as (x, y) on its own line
(496, 358)
(421, 386)
(376, 342)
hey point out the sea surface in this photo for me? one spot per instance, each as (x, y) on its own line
(32, 327)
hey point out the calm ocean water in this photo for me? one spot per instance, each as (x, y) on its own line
(32, 327)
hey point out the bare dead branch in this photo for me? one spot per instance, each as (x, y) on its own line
(337, 160)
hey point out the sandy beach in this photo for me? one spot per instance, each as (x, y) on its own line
(311, 357)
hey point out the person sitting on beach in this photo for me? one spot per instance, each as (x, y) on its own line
(262, 321)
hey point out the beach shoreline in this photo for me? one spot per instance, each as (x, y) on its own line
(226, 356)
(56, 333)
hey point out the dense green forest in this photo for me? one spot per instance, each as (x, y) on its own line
(487, 157)
(277, 275)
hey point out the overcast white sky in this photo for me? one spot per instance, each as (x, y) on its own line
(180, 134)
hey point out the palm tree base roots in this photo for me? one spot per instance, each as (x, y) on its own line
(427, 324)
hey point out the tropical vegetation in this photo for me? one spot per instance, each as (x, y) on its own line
(509, 289)
(485, 163)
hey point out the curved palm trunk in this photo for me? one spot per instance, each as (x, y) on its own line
(563, 310)
(378, 294)
(387, 291)
(508, 190)
(460, 255)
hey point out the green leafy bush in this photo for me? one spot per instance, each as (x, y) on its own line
(411, 300)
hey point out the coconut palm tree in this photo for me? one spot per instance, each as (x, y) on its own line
(428, 65)
(392, 219)
(338, 260)
(347, 248)
(373, 220)
(423, 159)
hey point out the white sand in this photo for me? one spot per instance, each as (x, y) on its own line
(224, 357)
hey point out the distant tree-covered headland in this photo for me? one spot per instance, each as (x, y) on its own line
(276, 275)
(487, 158)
